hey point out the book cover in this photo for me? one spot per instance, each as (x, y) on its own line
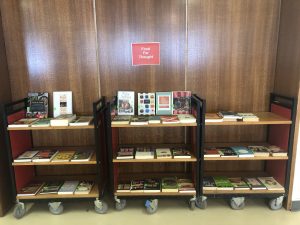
(137, 186)
(186, 118)
(181, 102)
(63, 156)
(26, 156)
(82, 156)
(238, 183)
(186, 186)
(62, 120)
(44, 155)
(259, 151)
(120, 120)
(169, 184)
(51, 187)
(25, 122)
(181, 153)
(31, 189)
(229, 116)
(139, 120)
(154, 119)
(163, 153)
(68, 188)
(125, 153)
(124, 187)
(125, 102)
(169, 119)
(226, 152)
(242, 151)
(62, 103)
(276, 151)
(211, 152)
(254, 183)
(151, 185)
(144, 153)
(164, 103)
(84, 187)
(250, 117)
(146, 103)
(41, 123)
(213, 117)
(222, 183)
(271, 184)
(82, 121)
(209, 184)
(37, 105)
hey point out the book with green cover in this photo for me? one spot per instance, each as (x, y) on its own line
(42, 123)
(169, 184)
(223, 183)
(238, 183)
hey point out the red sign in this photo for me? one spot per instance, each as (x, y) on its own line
(145, 53)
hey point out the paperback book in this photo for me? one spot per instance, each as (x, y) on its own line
(259, 151)
(25, 122)
(125, 153)
(120, 120)
(31, 189)
(213, 117)
(169, 184)
(124, 187)
(248, 117)
(68, 188)
(181, 153)
(51, 187)
(276, 151)
(125, 102)
(211, 152)
(63, 156)
(163, 153)
(146, 104)
(229, 116)
(186, 186)
(26, 156)
(84, 188)
(186, 118)
(226, 152)
(37, 105)
(238, 183)
(82, 156)
(144, 153)
(223, 183)
(137, 186)
(154, 120)
(242, 151)
(271, 184)
(170, 119)
(41, 123)
(82, 121)
(182, 102)
(62, 103)
(255, 184)
(209, 184)
(62, 120)
(44, 155)
(164, 103)
(151, 185)
(139, 120)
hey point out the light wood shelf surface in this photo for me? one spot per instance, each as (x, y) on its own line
(245, 158)
(216, 192)
(153, 194)
(157, 125)
(52, 128)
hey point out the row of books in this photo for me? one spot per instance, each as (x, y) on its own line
(145, 120)
(239, 183)
(229, 116)
(62, 120)
(56, 187)
(152, 153)
(167, 184)
(50, 155)
(243, 151)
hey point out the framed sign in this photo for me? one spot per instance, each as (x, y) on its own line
(147, 53)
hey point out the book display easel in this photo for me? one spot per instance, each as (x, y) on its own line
(20, 140)
(124, 170)
(280, 131)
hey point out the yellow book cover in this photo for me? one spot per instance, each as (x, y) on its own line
(63, 156)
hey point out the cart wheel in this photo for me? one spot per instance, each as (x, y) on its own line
(201, 204)
(237, 205)
(192, 204)
(151, 206)
(101, 207)
(56, 208)
(276, 203)
(120, 205)
(19, 210)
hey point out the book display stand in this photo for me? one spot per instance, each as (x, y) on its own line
(125, 170)
(21, 139)
(279, 122)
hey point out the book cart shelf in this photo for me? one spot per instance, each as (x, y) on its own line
(280, 131)
(122, 170)
(19, 140)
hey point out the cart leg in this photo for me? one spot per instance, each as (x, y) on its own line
(101, 207)
(201, 202)
(120, 203)
(56, 208)
(19, 210)
(276, 203)
(192, 203)
(151, 206)
(237, 203)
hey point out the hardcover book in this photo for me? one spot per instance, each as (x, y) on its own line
(163, 153)
(238, 183)
(139, 120)
(186, 118)
(121, 120)
(211, 152)
(164, 103)
(249, 117)
(63, 156)
(154, 119)
(31, 189)
(222, 183)
(82, 156)
(213, 117)
(209, 184)
(125, 102)
(255, 184)
(82, 121)
(271, 184)
(169, 184)
(62, 120)
(41, 123)
(226, 152)
(37, 105)
(242, 151)
(84, 187)
(137, 186)
(124, 187)
(146, 103)
(259, 151)
(182, 102)
(181, 153)
(26, 156)
(62, 103)
(144, 153)
(169, 119)
(44, 155)
(25, 122)
(151, 185)
(51, 187)
(186, 186)
(68, 188)
(125, 153)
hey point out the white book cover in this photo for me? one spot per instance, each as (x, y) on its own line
(125, 102)
(62, 103)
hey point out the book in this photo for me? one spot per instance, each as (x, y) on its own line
(271, 184)
(42, 123)
(26, 156)
(63, 156)
(62, 103)
(181, 102)
(238, 183)
(144, 153)
(249, 117)
(164, 103)
(276, 151)
(121, 120)
(226, 152)
(163, 153)
(154, 120)
(51, 187)
(139, 120)
(186, 118)
(137, 186)
(186, 186)
(24, 122)
(125, 153)
(44, 155)
(146, 103)
(229, 116)
(124, 187)
(151, 185)
(213, 117)
(31, 189)
(125, 102)
(82, 156)
(84, 187)
(259, 151)
(68, 188)
(169, 184)
(81, 121)
(37, 105)
(181, 153)
(209, 184)
(62, 120)
(254, 183)
(169, 119)
(211, 152)
(242, 151)
(222, 183)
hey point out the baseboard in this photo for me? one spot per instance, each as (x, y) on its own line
(295, 206)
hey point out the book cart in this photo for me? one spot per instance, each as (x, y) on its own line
(280, 131)
(18, 140)
(135, 169)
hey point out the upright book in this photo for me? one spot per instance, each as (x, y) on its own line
(62, 103)
(146, 103)
(125, 102)
(182, 102)
(164, 103)
(37, 105)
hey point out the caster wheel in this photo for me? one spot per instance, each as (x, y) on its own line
(275, 204)
(151, 210)
(201, 204)
(19, 210)
(235, 206)
(101, 208)
(56, 210)
(151, 206)
(120, 205)
(192, 205)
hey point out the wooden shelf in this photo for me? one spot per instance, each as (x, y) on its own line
(52, 128)
(157, 125)
(245, 158)
(218, 192)
(265, 118)
(153, 194)
(192, 159)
